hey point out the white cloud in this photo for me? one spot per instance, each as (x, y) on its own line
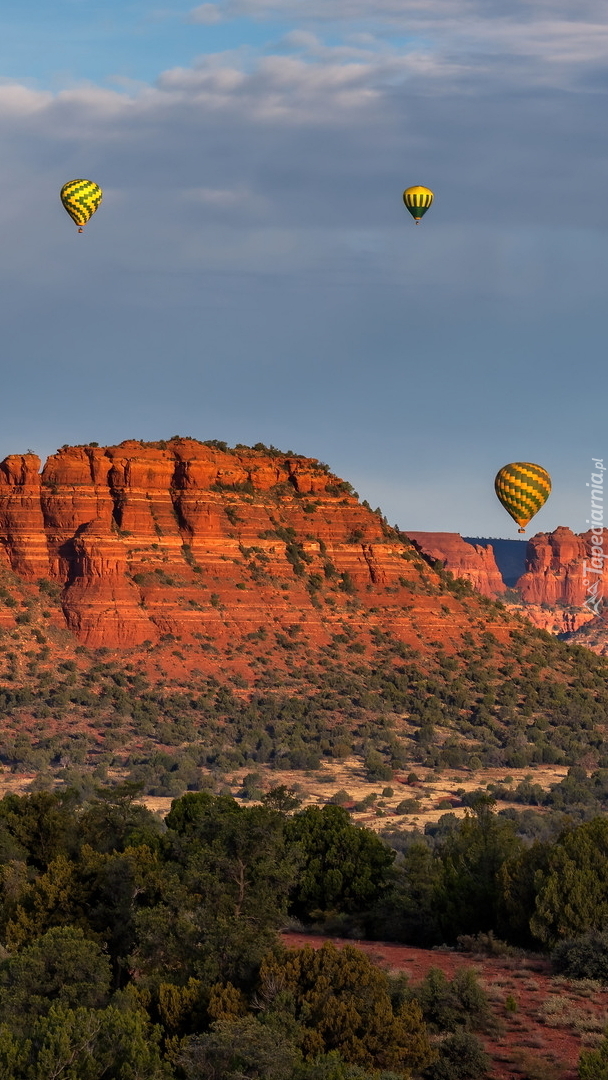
(561, 33)
(18, 100)
(207, 14)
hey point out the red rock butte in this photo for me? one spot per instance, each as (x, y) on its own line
(191, 539)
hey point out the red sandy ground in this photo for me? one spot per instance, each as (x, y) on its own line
(542, 1040)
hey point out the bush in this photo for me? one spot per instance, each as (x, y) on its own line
(251, 787)
(461, 1057)
(585, 957)
(376, 767)
(238, 1046)
(450, 1006)
(335, 996)
(486, 944)
(593, 1065)
(341, 797)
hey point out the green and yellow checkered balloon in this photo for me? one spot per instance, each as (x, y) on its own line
(81, 199)
(523, 488)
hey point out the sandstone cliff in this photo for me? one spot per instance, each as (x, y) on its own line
(554, 587)
(473, 562)
(554, 569)
(150, 542)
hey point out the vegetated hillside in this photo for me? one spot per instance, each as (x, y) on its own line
(285, 624)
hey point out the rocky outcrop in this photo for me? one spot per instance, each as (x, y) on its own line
(100, 601)
(473, 562)
(192, 542)
(554, 569)
(22, 529)
(188, 541)
(555, 620)
(509, 555)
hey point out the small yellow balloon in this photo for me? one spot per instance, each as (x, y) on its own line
(417, 200)
(81, 198)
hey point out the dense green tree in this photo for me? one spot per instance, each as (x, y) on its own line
(167, 940)
(233, 870)
(333, 1067)
(116, 887)
(472, 855)
(184, 1009)
(518, 879)
(84, 1044)
(61, 967)
(31, 907)
(42, 825)
(115, 923)
(345, 868)
(239, 1048)
(113, 820)
(101, 893)
(10, 848)
(408, 910)
(573, 893)
(451, 1005)
(241, 862)
(281, 798)
(197, 814)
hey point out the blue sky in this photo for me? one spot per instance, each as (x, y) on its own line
(252, 274)
(68, 41)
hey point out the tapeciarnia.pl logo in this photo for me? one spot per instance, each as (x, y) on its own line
(594, 569)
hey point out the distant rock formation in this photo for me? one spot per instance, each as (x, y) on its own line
(554, 569)
(552, 587)
(473, 562)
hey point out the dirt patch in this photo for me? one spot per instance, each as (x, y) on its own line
(435, 793)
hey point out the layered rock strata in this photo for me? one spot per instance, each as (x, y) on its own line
(149, 541)
(555, 568)
(473, 562)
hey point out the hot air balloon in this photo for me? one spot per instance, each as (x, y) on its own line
(417, 200)
(522, 489)
(81, 199)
